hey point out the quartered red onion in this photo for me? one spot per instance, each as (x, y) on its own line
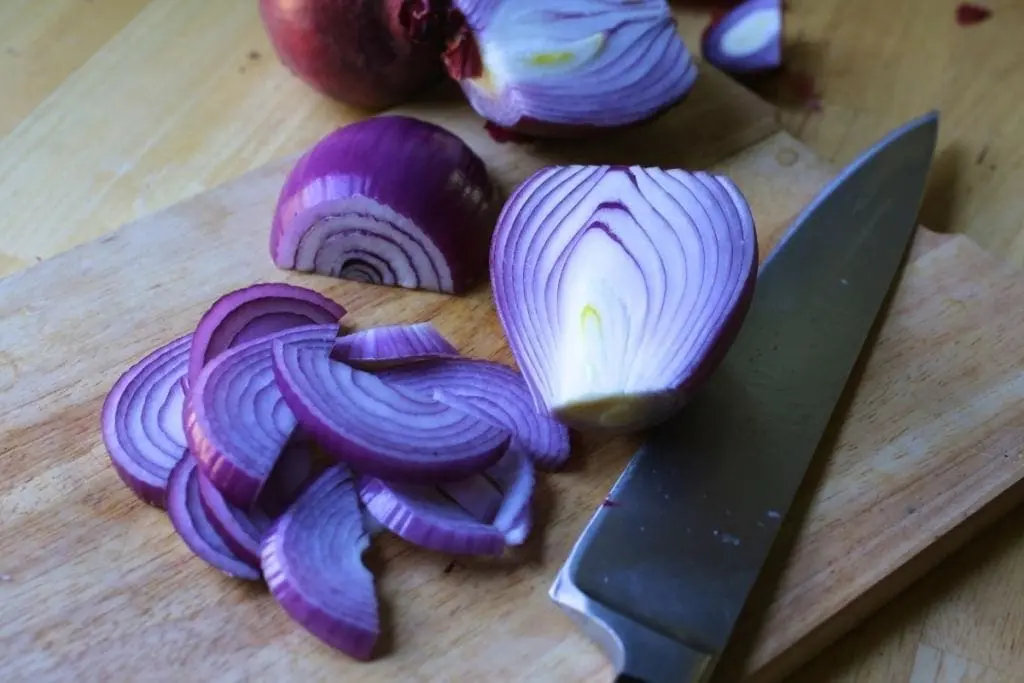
(256, 311)
(620, 288)
(493, 392)
(549, 68)
(382, 347)
(312, 561)
(390, 200)
(141, 420)
(746, 39)
(376, 428)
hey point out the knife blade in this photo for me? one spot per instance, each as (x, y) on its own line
(658, 578)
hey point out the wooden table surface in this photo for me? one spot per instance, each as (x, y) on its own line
(111, 109)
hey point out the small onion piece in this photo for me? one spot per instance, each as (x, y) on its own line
(390, 200)
(377, 348)
(556, 68)
(312, 561)
(620, 288)
(431, 517)
(190, 520)
(379, 429)
(490, 391)
(253, 312)
(240, 530)
(746, 39)
(141, 421)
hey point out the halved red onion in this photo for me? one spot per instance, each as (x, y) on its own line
(746, 39)
(389, 200)
(547, 68)
(494, 392)
(141, 420)
(379, 429)
(376, 348)
(253, 312)
(431, 517)
(312, 561)
(620, 288)
(236, 421)
(190, 520)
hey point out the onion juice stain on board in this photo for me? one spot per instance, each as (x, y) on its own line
(969, 14)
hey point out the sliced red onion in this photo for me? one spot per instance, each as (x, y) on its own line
(746, 39)
(240, 530)
(390, 200)
(430, 517)
(378, 429)
(190, 520)
(253, 312)
(620, 289)
(312, 560)
(377, 348)
(236, 420)
(545, 68)
(494, 392)
(141, 421)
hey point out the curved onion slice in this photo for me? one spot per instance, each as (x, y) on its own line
(312, 560)
(378, 429)
(141, 421)
(430, 517)
(241, 531)
(193, 526)
(236, 420)
(746, 39)
(546, 68)
(620, 289)
(493, 392)
(377, 348)
(390, 200)
(253, 312)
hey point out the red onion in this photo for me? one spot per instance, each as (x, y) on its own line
(620, 288)
(549, 68)
(746, 39)
(493, 392)
(141, 421)
(390, 200)
(256, 311)
(312, 561)
(379, 429)
(431, 517)
(367, 53)
(383, 347)
(193, 526)
(240, 531)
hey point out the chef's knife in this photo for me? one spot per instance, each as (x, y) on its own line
(660, 575)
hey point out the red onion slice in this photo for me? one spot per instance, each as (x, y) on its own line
(429, 517)
(377, 348)
(378, 429)
(390, 200)
(312, 560)
(746, 39)
(240, 530)
(494, 392)
(546, 68)
(253, 312)
(620, 289)
(193, 526)
(141, 421)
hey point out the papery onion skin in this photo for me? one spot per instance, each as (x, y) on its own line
(389, 200)
(378, 348)
(312, 561)
(371, 54)
(569, 68)
(621, 288)
(256, 311)
(141, 420)
(746, 39)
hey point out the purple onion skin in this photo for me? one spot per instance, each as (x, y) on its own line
(767, 58)
(418, 170)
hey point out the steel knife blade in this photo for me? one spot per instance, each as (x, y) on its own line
(658, 578)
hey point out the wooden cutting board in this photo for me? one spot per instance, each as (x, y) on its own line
(925, 450)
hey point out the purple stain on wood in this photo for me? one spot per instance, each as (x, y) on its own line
(969, 14)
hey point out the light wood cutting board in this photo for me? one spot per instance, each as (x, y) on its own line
(926, 448)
